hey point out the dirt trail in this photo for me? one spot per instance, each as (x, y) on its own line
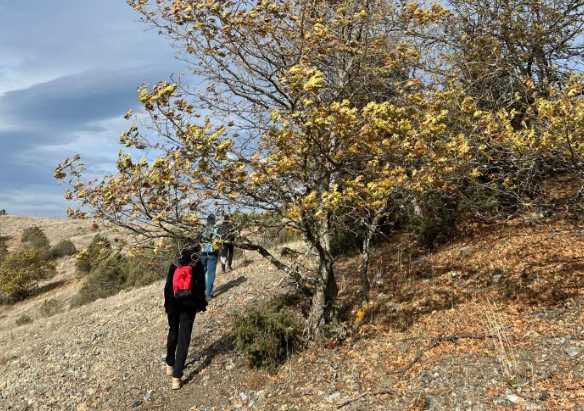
(108, 354)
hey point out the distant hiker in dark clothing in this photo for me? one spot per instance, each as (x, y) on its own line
(228, 236)
(184, 296)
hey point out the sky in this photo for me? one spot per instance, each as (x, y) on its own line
(69, 70)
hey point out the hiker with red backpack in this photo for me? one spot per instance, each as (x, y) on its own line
(184, 296)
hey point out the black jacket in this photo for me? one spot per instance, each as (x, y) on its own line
(197, 303)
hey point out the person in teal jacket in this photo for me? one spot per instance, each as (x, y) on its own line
(210, 243)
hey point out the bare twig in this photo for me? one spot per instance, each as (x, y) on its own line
(436, 341)
(360, 396)
(450, 338)
(351, 400)
(505, 353)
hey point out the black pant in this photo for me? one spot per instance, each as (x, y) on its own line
(228, 255)
(179, 337)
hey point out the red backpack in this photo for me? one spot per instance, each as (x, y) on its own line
(182, 282)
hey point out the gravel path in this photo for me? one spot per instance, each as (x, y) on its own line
(108, 354)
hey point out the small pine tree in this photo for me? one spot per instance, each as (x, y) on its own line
(36, 238)
(99, 249)
(62, 248)
(106, 279)
(3, 247)
(20, 272)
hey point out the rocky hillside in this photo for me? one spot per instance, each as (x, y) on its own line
(492, 321)
(108, 354)
(64, 285)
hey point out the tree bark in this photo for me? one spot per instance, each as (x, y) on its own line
(366, 251)
(323, 300)
(364, 271)
(325, 296)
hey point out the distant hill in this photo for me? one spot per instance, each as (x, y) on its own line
(79, 231)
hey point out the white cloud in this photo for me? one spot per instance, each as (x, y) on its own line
(69, 70)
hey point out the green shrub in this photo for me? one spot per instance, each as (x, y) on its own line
(98, 244)
(35, 237)
(82, 263)
(3, 247)
(20, 272)
(99, 249)
(23, 319)
(267, 335)
(50, 307)
(345, 243)
(435, 222)
(6, 299)
(62, 248)
(106, 279)
(115, 272)
(146, 267)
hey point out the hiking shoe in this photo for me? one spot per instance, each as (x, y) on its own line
(169, 370)
(176, 383)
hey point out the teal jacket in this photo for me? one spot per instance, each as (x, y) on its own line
(209, 234)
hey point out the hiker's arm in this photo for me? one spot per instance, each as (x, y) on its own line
(199, 284)
(168, 285)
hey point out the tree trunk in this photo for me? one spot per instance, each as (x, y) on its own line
(366, 250)
(323, 300)
(364, 271)
(325, 296)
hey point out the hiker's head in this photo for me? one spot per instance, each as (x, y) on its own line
(211, 219)
(195, 251)
(189, 255)
(184, 257)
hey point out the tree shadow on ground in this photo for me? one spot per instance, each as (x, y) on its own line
(223, 345)
(46, 288)
(539, 266)
(398, 297)
(402, 297)
(244, 262)
(223, 288)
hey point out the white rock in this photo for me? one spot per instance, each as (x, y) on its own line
(333, 397)
(572, 351)
(513, 398)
